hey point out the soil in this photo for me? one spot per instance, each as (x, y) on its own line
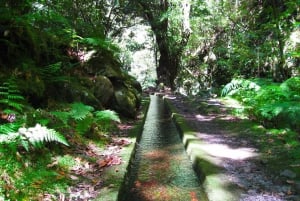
(269, 176)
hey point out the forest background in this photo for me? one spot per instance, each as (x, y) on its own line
(66, 66)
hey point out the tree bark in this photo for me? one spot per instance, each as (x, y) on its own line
(169, 49)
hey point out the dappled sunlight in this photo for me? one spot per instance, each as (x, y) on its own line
(224, 151)
(153, 190)
(200, 117)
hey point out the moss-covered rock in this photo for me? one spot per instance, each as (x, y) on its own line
(76, 92)
(103, 89)
(125, 101)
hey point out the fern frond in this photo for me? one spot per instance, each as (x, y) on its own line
(84, 125)
(8, 138)
(10, 95)
(9, 127)
(52, 73)
(16, 105)
(40, 134)
(63, 116)
(14, 96)
(236, 84)
(80, 111)
(107, 115)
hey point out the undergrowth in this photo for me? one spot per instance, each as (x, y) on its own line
(83, 118)
(28, 144)
(274, 105)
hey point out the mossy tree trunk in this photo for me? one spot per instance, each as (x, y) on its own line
(171, 37)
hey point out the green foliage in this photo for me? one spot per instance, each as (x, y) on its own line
(107, 115)
(53, 73)
(27, 177)
(292, 85)
(10, 96)
(272, 104)
(66, 161)
(80, 111)
(84, 117)
(84, 125)
(239, 84)
(33, 136)
(104, 118)
(10, 127)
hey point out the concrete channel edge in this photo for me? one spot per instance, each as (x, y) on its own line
(211, 176)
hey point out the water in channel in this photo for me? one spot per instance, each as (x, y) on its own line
(161, 169)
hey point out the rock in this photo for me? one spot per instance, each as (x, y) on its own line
(125, 102)
(105, 64)
(103, 89)
(112, 87)
(75, 92)
(288, 173)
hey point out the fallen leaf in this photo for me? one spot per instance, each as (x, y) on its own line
(102, 163)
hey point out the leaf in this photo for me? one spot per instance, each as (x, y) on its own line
(80, 111)
(107, 115)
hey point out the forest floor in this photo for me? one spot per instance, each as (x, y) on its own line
(252, 158)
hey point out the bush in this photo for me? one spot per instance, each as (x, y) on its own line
(271, 104)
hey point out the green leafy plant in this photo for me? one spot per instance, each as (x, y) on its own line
(84, 116)
(10, 96)
(239, 84)
(34, 136)
(105, 117)
(272, 104)
(11, 103)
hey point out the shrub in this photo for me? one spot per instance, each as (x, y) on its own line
(272, 104)
(32, 137)
(84, 116)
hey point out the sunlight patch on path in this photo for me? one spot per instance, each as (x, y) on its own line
(224, 151)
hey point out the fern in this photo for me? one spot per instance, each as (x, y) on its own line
(63, 116)
(37, 135)
(33, 136)
(83, 117)
(10, 96)
(10, 127)
(107, 115)
(80, 111)
(84, 125)
(52, 73)
(237, 84)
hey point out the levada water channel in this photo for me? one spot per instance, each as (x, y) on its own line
(160, 169)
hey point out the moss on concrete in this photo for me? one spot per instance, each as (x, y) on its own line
(207, 167)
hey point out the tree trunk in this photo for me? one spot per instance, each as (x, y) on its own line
(170, 50)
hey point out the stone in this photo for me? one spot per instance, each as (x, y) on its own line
(125, 102)
(75, 92)
(103, 89)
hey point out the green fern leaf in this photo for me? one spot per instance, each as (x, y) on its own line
(107, 115)
(39, 134)
(80, 111)
(9, 127)
(237, 84)
(8, 138)
(10, 95)
(84, 125)
(63, 116)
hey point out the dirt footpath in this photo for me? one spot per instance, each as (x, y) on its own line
(233, 153)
